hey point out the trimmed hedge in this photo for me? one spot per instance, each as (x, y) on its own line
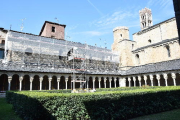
(106, 105)
(126, 88)
(56, 91)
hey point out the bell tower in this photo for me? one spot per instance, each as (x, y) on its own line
(145, 18)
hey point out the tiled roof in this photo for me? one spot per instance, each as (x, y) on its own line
(155, 67)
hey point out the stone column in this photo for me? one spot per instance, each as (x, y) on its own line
(110, 79)
(105, 82)
(129, 79)
(115, 82)
(58, 81)
(119, 81)
(20, 82)
(40, 80)
(87, 80)
(139, 79)
(99, 83)
(173, 75)
(165, 77)
(158, 79)
(93, 82)
(66, 80)
(9, 82)
(31, 80)
(74, 78)
(145, 79)
(50, 79)
(134, 79)
(151, 78)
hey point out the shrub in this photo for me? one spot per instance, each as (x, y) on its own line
(123, 104)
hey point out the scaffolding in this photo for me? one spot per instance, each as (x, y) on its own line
(38, 51)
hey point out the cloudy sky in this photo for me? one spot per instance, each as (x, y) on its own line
(90, 21)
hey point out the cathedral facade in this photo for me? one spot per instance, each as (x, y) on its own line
(47, 61)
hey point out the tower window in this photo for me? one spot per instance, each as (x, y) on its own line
(121, 35)
(149, 41)
(137, 59)
(132, 46)
(53, 29)
(1, 54)
(168, 51)
(3, 42)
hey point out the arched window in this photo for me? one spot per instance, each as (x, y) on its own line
(121, 35)
(132, 46)
(28, 51)
(149, 40)
(137, 59)
(168, 51)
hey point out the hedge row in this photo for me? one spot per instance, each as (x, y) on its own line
(107, 105)
(56, 91)
(127, 88)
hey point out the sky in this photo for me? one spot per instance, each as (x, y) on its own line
(87, 21)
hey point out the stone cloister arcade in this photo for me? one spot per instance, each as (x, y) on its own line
(26, 81)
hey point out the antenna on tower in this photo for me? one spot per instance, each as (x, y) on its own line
(100, 41)
(10, 27)
(105, 43)
(22, 24)
(56, 19)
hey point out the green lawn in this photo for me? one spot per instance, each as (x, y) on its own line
(169, 115)
(6, 111)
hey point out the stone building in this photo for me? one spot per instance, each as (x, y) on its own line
(47, 61)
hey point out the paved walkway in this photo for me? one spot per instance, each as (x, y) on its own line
(2, 95)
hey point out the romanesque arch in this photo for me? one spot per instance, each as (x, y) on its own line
(96, 83)
(69, 83)
(112, 82)
(90, 83)
(15, 82)
(36, 83)
(107, 83)
(117, 82)
(54, 83)
(26, 82)
(3, 82)
(102, 82)
(62, 83)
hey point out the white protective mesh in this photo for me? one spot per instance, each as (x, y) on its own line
(21, 42)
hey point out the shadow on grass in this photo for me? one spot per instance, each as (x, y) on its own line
(29, 108)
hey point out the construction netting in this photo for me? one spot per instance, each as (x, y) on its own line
(32, 44)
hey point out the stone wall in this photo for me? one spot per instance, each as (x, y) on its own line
(58, 34)
(157, 53)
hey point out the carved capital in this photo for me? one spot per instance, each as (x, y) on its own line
(151, 77)
(134, 79)
(50, 79)
(165, 76)
(129, 79)
(158, 76)
(139, 78)
(31, 79)
(145, 77)
(20, 78)
(40, 79)
(173, 75)
(9, 79)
